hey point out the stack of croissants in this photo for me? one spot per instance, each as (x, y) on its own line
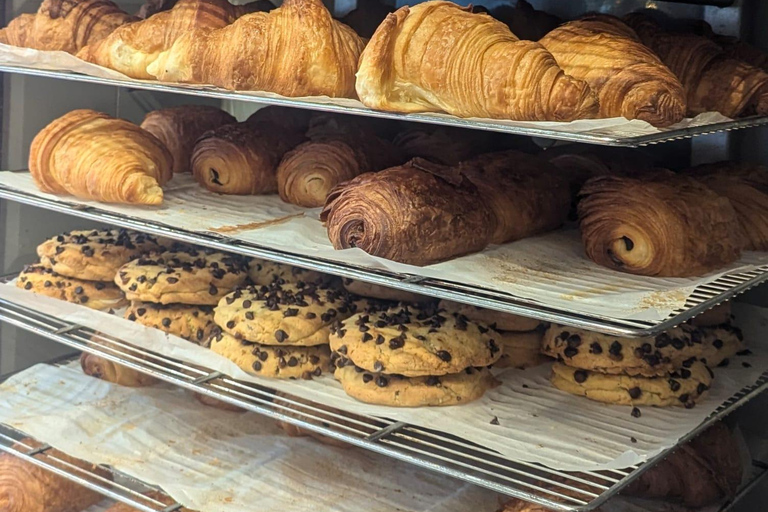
(432, 57)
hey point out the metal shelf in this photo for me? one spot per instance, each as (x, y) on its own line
(663, 135)
(422, 447)
(703, 297)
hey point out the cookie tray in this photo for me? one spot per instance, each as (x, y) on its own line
(619, 133)
(426, 448)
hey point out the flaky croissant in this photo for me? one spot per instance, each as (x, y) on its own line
(417, 213)
(133, 47)
(437, 56)
(670, 226)
(94, 156)
(104, 369)
(180, 127)
(629, 79)
(65, 25)
(294, 50)
(241, 159)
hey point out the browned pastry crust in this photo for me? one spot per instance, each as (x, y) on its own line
(670, 226)
(418, 213)
(629, 79)
(104, 369)
(122, 507)
(180, 127)
(133, 47)
(94, 156)
(524, 21)
(93, 294)
(65, 25)
(325, 419)
(375, 291)
(192, 323)
(713, 81)
(241, 159)
(425, 59)
(25, 487)
(294, 50)
(488, 317)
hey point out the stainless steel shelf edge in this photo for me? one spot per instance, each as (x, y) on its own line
(702, 299)
(424, 448)
(212, 92)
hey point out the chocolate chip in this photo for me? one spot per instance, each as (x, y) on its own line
(632, 440)
(230, 324)
(281, 335)
(570, 352)
(342, 350)
(313, 359)
(133, 287)
(686, 374)
(382, 381)
(574, 340)
(432, 381)
(367, 377)
(674, 385)
(249, 315)
(564, 335)
(677, 343)
(701, 388)
(293, 361)
(28, 285)
(99, 286)
(310, 315)
(83, 299)
(166, 322)
(379, 339)
(595, 348)
(718, 344)
(723, 363)
(141, 311)
(79, 290)
(213, 290)
(495, 421)
(367, 337)
(635, 393)
(684, 397)
(636, 412)
(377, 366)
(263, 356)
(247, 303)
(172, 280)
(615, 349)
(257, 366)
(580, 376)
(745, 352)
(396, 343)
(199, 334)
(132, 317)
(444, 355)
(746, 364)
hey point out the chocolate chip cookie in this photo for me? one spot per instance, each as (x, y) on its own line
(94, 294)
(520, 349)
(488, 317)
(182, 275)
(399, 391)
(270, 361)
(682, 387)
(94, 255)
(640, 356)
(375, 291)
(193, 323)
(264, 273)
(414, 341)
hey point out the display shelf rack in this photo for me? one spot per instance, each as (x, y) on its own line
(426, 448)
(661, 136)
(703, 298)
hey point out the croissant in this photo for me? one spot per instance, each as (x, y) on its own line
(65, 25)
(94, 156)
(26, 487)
(713, 81)
(417, 213)
(525, 193)
(629, 79)
(239, 159)
(180, 127)
(437, 56)
(669, 226)
(133, 47)
(104, 369)
(294, 50)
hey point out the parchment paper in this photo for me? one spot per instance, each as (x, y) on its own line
(536, 422)
(551, 269)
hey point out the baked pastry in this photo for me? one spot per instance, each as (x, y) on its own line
(524, 21)
(716, 316)
(104, 369)
(180, 127)
(283, 362)
(414, 341)
(26, 487)
(670, 226)
(264, 273)
(667, 352)
(495, 319)
(525, 193)
(94, 156)
(65, 25)
(520, 349)
(675, 388)
(93, 294)
(182, 275)
(193, 323)
(375, 291)
(133, 47)
(399, 391)
(425, 59)
(713, 81)
(94, 255)
(325, 419)
(418, 213)
(294, 50)
(155, 495)
(285, 314)
(629, 79)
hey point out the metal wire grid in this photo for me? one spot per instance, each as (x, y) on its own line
(486, 125)
(703, 298)
(423, 447)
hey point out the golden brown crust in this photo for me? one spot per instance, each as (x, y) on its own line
(437, 56)
(104, 369)
(264, 273)
(670, 226)
(94, 156)
(192, 323)
(268, 52)
(93, 294)
(488, 317)
(375, 291)
(520, 349)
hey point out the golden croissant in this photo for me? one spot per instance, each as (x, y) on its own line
(94, 156)
(104, 369)
(629, 79)
(713, 81)
(668, 226)
(65, 25)
(133, 47)
(180, 127)
(437, 56)
(294, 50)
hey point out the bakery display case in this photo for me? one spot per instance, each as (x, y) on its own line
(214, 269)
